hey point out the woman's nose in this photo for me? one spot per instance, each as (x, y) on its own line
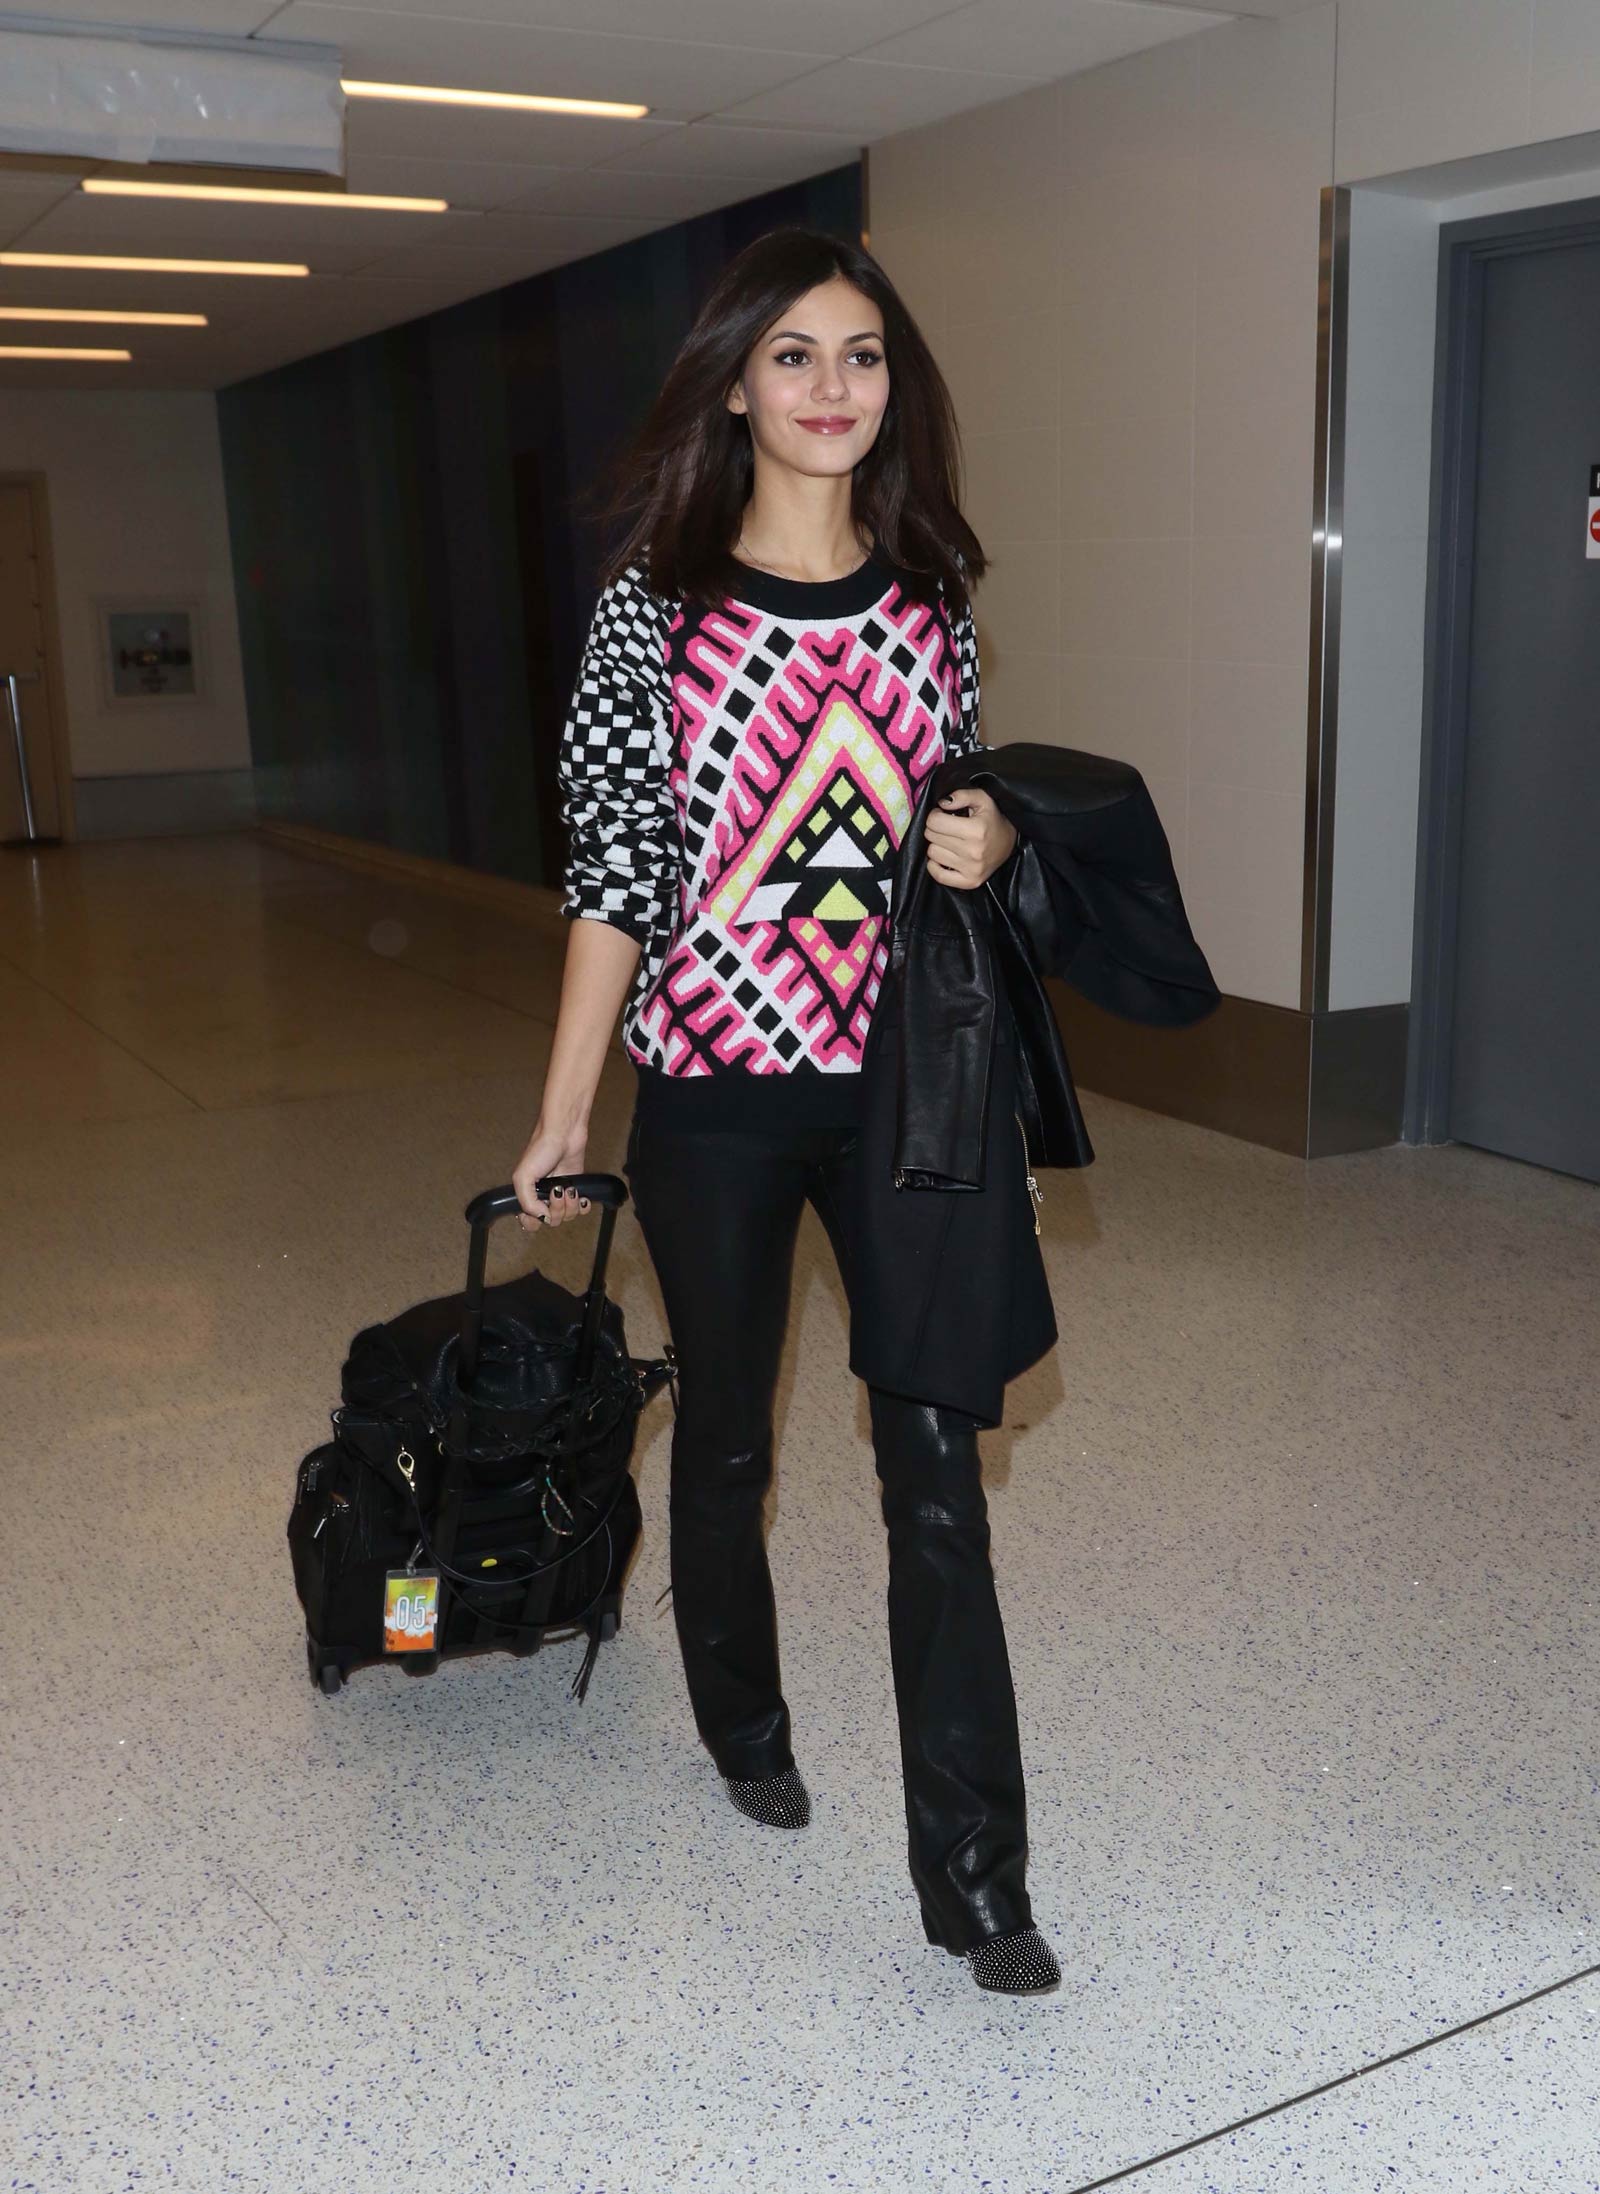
(827, 385)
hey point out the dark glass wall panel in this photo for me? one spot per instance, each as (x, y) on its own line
(414, 568)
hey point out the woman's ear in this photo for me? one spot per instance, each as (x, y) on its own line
(735, 399)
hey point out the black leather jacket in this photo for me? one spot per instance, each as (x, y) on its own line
(1089, 895)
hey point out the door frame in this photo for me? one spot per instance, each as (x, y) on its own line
(55, 683)
(1465, 250)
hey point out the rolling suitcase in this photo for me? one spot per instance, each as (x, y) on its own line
(477, 1491)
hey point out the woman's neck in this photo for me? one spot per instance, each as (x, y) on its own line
(800, 528)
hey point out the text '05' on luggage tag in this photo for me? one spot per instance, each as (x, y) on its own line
(410, 1610)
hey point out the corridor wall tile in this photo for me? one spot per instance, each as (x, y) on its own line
(1021, 691)
(906, 220)
(1413, 53)
(1247, 725)
(1020, 593)
(1251, 596)
(1133, 707)
(1013, 491)
(1002, 163)
(1128, 597)
(1254, 461)
(1126, 469)
(1004, 374)
(1565, 86)
(1242, 887)
(1421, 81)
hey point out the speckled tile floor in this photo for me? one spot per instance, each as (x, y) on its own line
(1297, 1538)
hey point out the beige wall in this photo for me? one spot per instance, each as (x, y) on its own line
(136, 509)
(1424, 81)
(1119, 274)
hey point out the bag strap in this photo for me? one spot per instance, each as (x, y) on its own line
(400, 1477)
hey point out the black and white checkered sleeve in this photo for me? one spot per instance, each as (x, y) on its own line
(966, 740)
(616, 799)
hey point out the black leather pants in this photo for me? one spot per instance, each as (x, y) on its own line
(720, 1211)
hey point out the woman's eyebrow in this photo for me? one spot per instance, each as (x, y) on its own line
(798, 336)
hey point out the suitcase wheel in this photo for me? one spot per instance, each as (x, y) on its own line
(328, 1676)
(610, 1623)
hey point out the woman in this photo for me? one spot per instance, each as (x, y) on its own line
(782, 651)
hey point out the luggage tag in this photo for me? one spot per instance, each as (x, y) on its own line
(410, 1610)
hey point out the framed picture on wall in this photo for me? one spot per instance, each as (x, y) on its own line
(150, 648)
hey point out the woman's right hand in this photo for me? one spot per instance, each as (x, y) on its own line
(550, 1150)
(600, 964)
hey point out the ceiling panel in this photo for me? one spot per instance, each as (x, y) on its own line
(630, 193)
(762, 158)
(530, 230)
(492, 134)
(401, 296)
(227, 18)
(875, 98)
(25, 199)
(219, 296)
(748, 95)
(318, 313)
(31, 186)
(57, 374)
(1269, 8)
(672, 76)
(465, 183)
(331, 243)
(1041, 38)
(526, 244)
(823, 29)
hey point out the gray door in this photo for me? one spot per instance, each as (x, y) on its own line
(1525, 1067)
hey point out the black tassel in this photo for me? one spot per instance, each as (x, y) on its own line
(580, 1682)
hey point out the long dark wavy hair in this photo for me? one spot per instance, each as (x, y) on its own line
(681, 487)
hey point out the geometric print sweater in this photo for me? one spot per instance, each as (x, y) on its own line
(735, 783)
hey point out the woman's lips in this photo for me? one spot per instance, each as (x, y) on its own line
(827, 425)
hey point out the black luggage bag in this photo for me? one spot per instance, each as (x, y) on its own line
(483, 1440)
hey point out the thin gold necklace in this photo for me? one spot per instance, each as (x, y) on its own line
(779, 574)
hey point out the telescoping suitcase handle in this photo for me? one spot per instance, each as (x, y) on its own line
(608, 1190)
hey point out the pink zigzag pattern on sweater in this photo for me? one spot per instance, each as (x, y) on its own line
(833, 739)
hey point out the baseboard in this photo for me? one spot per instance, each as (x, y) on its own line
(1358, 1079)
(1308, 1084)
(164, 803)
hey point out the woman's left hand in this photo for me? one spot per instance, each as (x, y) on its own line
(964, 850)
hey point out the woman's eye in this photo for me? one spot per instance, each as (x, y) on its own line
(803, 358)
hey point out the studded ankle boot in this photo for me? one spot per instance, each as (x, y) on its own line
(777, 1801)
(1022, 1964)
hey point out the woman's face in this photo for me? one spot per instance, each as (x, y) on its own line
(815, 386)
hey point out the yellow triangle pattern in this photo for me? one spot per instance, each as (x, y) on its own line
(839, 904)
(841, 731)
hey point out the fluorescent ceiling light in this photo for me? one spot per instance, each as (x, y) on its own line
(145, 266)
(24, 350)
(107, 319)
(527, 101)
(249, 195)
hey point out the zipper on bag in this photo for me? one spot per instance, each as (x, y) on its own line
(1034, 1189)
